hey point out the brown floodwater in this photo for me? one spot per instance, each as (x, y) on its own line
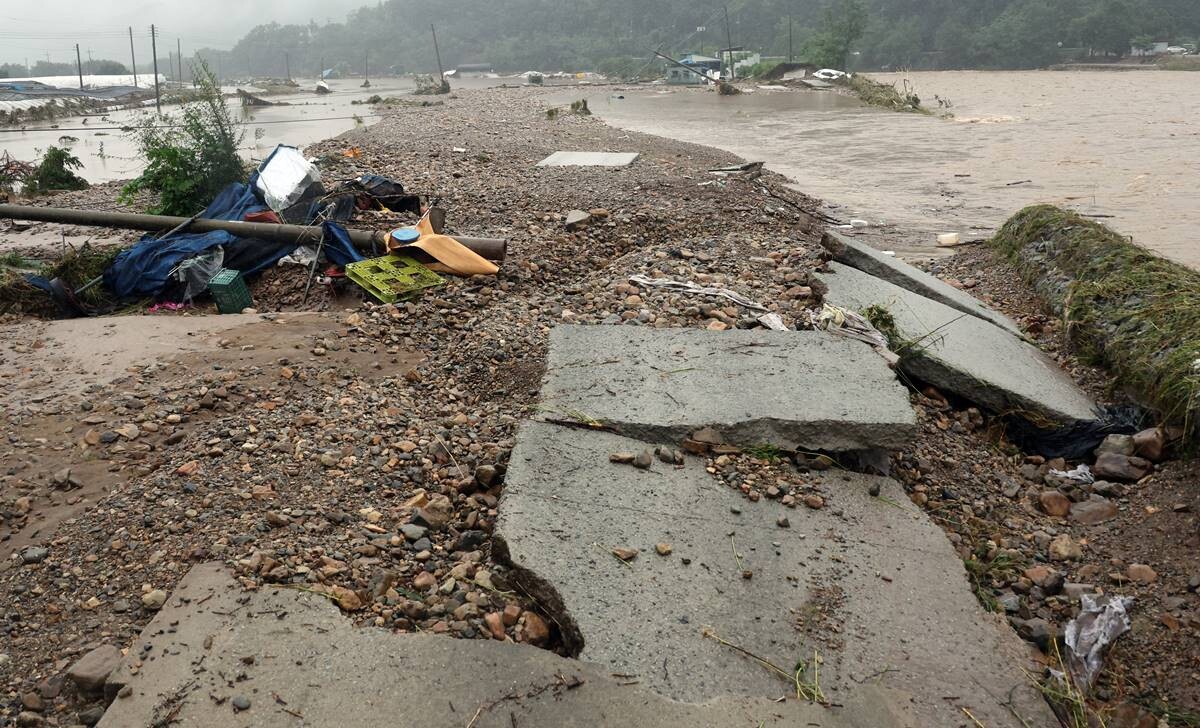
(1121, 146)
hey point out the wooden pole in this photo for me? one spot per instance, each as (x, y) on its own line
(132, 57)
(438, 53)
(79, 66)
(154, 52)
(729, 45)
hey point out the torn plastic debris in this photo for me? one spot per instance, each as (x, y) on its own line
(843, 322)
(1081, 474)
(1102, 619)
(284, 176)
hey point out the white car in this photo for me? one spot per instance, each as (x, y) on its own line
(1177, 51)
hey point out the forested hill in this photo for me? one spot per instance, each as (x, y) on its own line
(616, 35)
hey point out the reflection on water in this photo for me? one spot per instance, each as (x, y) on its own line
(1124, 147)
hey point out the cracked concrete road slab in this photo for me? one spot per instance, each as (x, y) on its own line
(965, 355)
(280, 658)
(864, 257)
(804, 390)
(869, 584)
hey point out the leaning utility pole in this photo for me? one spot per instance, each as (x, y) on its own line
(438, 53)
(154, 52)
(132, 57)
(729, 45)
(79, 66)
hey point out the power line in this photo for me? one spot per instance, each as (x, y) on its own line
(176, 126)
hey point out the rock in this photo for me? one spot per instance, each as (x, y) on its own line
(1064, 548)
(1010, 602)
(1038, 631)
(436, 514)
(495, 625)
(1113, 466)
(1110, 490)
(91, 715)
(33, 701)
(1194, 583)
(1094, 510)
(1052, 584)
(1151, 445)
(154, 599)
(643, 460)
(511, 614)
(783, 522)
(1116, 444)
(1141, 573)
(90, 672)
(34, 555)
(622, 458)
(28, 719)
(424, 581)
(535, 631)
(1054, 503)
(577, 220)
(1074, 591)
(240, 703)
(413, 532)
(277, 519)
(663, 549)
(485, 475)
(814, 501)
(625, 554)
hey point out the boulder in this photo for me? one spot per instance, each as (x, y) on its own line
(1114, 466)
(90, 672)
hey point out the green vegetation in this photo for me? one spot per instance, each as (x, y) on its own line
(764, 451)
(75, 269)
(1124, 307)
(55, 173)
(984, 574)
(1180, 63)
(759, 70)
(885, 95)
(615, 38)
(191, 156)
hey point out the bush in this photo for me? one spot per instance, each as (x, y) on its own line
(191, 156)
(54, 173)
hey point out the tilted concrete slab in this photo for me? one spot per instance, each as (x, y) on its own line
(962, 354)
(589, 159)
(299, 662)
(806, 390)
(868, 583)
(860, 255)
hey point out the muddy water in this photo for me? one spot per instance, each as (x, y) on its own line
(108, 154)
(1124, 147)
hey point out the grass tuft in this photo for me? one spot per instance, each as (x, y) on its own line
(1126, 308)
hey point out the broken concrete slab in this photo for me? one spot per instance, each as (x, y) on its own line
(588, 159)
(868, 584)
(860, 255)
(277, 657)
(965, 355)
(798, 390)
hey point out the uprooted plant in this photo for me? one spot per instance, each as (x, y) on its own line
(55, 173)
(189, 156)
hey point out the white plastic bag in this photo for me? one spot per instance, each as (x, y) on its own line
(284, 176)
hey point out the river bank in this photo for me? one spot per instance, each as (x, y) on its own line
(296, 448)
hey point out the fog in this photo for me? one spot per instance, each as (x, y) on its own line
(30, 30)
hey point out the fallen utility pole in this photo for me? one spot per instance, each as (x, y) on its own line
(490, 248)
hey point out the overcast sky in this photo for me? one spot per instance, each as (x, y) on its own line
(31, 28)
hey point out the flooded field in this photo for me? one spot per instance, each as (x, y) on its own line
(107, 153)
(1123, 147)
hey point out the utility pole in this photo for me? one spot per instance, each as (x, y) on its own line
(729, 45)
(79, 66)
(154, 53)
(132, 57)
(287, 65)
(438, 53)
(366, 68)
(321, 70)
(179, 56)
(791, 54)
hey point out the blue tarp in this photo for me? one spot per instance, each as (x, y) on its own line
(144, 271)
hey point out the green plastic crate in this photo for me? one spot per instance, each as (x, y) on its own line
(393, 277)
(229, 290)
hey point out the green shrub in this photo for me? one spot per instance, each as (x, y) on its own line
(191, 156)
(54, 173)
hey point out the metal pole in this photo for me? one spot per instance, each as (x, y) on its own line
(154, 52)
(729, 45)
(132, 57)
(437, 53)
(179, 57)
(489, 248)
(79, 66)
(287, 65)
(791, 54)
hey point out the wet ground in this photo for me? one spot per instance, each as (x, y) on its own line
(1123, 147)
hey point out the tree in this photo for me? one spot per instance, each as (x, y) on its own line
(1144, 43)
(844, 23)
(1108, 27)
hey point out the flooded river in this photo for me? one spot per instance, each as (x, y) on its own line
(1121, 146)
